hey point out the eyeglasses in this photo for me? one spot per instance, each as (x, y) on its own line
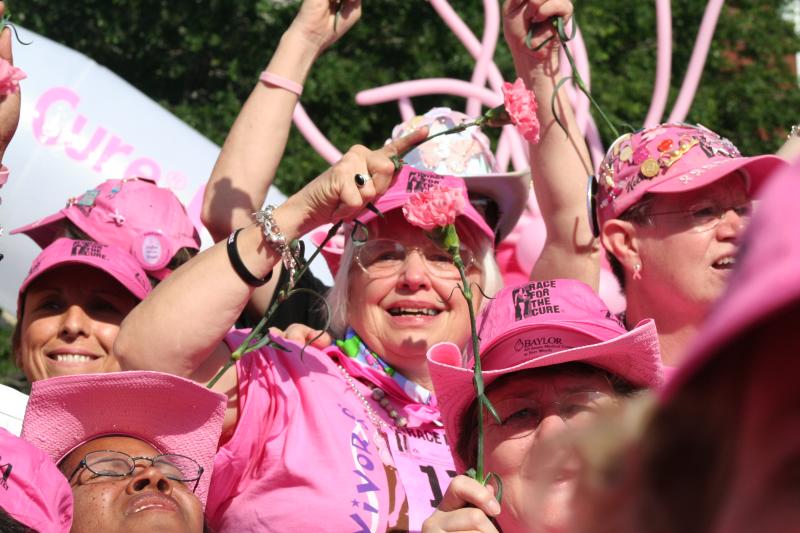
(381, 258)
(110, 463)
(519, 417)
(706, 217)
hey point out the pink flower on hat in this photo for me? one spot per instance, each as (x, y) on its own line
(10, 77)
(520, 103)
(436, 207)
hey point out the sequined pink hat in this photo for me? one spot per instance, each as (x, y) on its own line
(670, 158)
(467, 155)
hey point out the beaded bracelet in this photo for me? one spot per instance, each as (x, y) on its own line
(279, 81)
(277, 239)
(794, 132)
(238, 265)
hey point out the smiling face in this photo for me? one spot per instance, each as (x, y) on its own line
(538, 477)
(681, 266)
(71, 317)
(144, 501)
(400, 316)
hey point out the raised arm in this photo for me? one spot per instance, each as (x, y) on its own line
(560, 163)
(253, 149)
(178, 328)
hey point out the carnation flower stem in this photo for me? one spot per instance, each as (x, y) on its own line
(285, 292)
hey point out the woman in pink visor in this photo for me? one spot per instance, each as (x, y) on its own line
(349, 438)
(137, 448)
(553, 357)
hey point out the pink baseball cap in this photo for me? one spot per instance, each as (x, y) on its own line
(539, 324)
(172, 414)
(410, 181)
(670, 158)
(467, 155)
(765, 281)
(132, 213)
(115, 262)
(32, 490)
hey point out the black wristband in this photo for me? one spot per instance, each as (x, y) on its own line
(238, 266)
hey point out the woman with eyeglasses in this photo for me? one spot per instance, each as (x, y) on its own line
(553, 358)
(671, 203)
(137, 448)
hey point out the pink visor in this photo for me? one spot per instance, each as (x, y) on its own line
(410, 181)
(133, 214)
(172, 414)
(115, 262)
(539, 324)
(670, 158)
(766, 278)
(32, 489)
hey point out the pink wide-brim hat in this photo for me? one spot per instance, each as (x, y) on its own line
(172, 414)
(765, 281)
(117, 263)
(409, 181)
(35, 492)
(539, 324)
(671, 158)
(467, 155)
(134, 214)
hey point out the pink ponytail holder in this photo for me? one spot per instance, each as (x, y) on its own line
(280, 81)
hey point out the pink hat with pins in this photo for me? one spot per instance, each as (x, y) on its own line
(172, 414)
(765, 281)
(468, 155)
(32, 489)
(670, 158)
(410, 181)
(539, 324)
(133, 214)
(113, 261)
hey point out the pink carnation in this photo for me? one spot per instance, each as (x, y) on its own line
(433, 208)
(9, 78)
(520, 103)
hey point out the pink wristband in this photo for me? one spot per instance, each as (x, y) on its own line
(3, 175)
(280, 81)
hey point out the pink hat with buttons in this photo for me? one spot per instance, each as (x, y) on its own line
(410, 181)
(109, 259)
(670, 158)
(32, 489)
(539, 324)
(133, 214)
(467, 155)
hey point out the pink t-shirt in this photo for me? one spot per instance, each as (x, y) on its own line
(305, 456)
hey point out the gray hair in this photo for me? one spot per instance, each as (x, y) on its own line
(339, 295)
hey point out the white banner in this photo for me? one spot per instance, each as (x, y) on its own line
(80, 125)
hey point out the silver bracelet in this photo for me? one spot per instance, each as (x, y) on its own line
(794, 131)
(277, 239)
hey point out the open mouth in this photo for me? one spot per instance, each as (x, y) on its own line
(74, 358)
(726, 263)
(407, 311)
(151, 502)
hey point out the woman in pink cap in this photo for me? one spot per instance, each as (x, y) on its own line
(553, 356)
(134, 461)
(355, 429)
(70, 307)
(720, 452)
(671, 204)
(252, 150)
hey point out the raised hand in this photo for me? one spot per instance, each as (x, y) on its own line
(519, 16)
(466, 506)
(318, 21)
(9, 104)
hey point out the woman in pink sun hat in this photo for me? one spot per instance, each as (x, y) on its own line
(133, 461)
(553, 357)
